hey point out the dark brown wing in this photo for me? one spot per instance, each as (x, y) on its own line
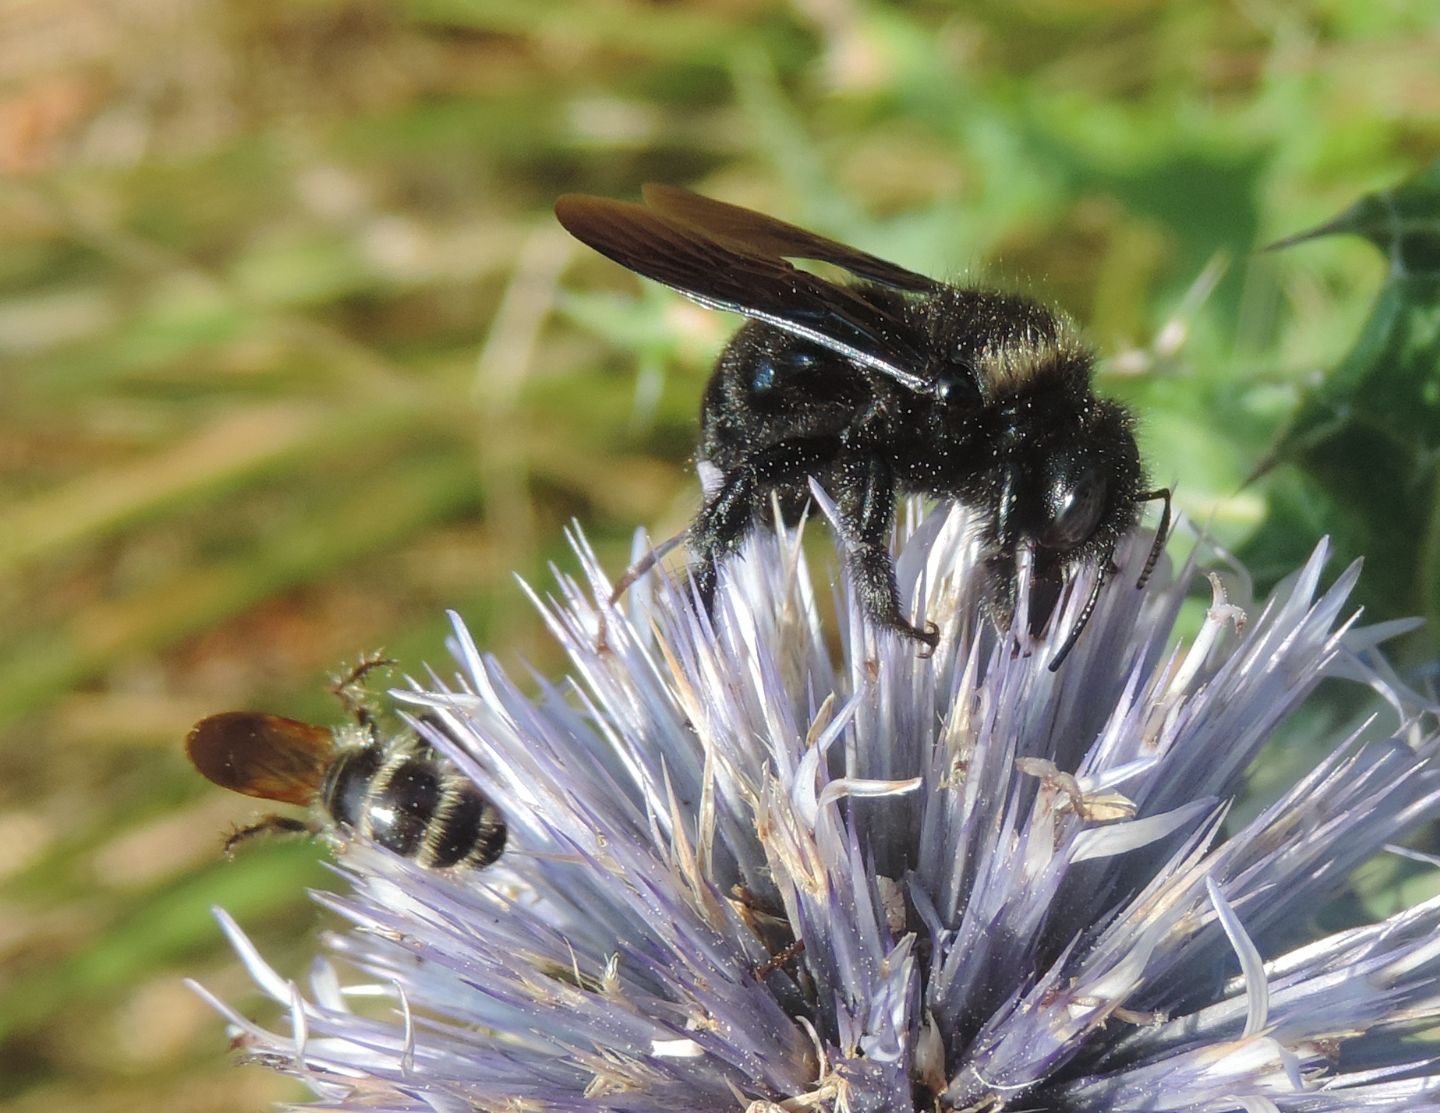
(774, 237)
(739, 266)
(262, 755)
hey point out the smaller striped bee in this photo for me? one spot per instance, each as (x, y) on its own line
(395, 791)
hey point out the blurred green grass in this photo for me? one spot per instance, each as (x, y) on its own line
(295, 359)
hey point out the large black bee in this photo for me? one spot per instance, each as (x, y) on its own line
(894, 383)
(395, 791)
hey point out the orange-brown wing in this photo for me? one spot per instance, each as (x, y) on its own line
(262, 755)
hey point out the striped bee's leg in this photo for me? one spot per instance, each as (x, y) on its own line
(270, 824)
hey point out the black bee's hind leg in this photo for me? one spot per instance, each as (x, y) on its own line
(643, 565)
(623, 584)
(718, 531)
(731, 513)
(866, 499)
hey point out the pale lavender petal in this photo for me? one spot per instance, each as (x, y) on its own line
(771, 860)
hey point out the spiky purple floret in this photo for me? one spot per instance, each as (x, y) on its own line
(746, 867)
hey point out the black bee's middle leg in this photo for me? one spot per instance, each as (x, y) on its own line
(743, 499)
(866, 500)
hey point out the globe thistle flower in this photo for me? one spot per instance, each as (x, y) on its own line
(760, 863)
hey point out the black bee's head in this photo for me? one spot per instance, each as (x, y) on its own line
(1070, 480)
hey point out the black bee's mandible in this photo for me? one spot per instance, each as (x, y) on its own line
(891, 384)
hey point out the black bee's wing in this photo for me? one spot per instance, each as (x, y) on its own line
(735, 273)
(774, 237)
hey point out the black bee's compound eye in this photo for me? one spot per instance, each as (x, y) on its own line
(1073, 505)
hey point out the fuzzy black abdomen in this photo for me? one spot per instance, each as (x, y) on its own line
(770, 387)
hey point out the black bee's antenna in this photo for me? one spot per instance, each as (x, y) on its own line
(1161, 534)
(1085, 612)
(1156, 546)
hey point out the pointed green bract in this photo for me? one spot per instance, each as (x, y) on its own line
(1366, 440)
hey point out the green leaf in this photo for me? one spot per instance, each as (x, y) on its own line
(1365, 442)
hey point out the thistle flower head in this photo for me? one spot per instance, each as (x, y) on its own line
(757, 863)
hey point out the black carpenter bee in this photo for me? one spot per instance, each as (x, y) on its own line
(893, 383)
(395, 791)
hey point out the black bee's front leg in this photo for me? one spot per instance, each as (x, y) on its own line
(743, 499)
(866, 500)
